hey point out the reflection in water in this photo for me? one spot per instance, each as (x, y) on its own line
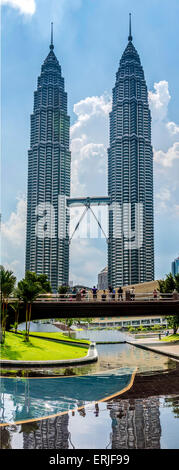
(135, 424)
(120, 424)
(111, 356)
(27, 399)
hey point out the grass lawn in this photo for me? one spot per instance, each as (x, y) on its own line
(171, 338)
(58, 336)
(15, 348)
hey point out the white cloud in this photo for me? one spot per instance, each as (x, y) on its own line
(172, 128)
(88, 167)
(159, 99)
(89, 146)
(164, 195)
(14, 229)
(166, 158)
(26, 7)
(13, 239)
(93, 106)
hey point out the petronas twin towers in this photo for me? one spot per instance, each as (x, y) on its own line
(130, 177)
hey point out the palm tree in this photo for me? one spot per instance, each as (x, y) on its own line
(7, 285)
(28, 290)
(16, 306)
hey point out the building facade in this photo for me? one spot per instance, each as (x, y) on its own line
(103, 279)
(175, 266)
(49, 164)
(130, 176)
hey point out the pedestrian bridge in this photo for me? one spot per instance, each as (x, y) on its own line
(65, 308)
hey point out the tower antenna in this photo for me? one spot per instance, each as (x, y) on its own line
(130, 33)
(51, 44)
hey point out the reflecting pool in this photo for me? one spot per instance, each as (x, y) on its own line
(128, 399)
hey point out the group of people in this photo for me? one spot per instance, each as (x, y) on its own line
(111, 293)
(107, 294)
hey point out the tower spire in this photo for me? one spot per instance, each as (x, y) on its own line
(130, 34)
(51, 44)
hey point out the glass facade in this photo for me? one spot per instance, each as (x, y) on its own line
(130, 174)
(175, 267)
(49, 165)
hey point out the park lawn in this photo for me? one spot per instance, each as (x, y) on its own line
(171, 338)
(58, 336)
(15, 348)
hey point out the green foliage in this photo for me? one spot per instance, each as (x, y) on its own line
(7, 280)
(62, 289)
(161, 283)
(169, 284)
(130, 328)
(173, 322)
(45, 284)
(28, 290)
(177, 282)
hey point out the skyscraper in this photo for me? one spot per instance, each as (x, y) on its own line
(49, 164)
(130, 175)
(175, 266)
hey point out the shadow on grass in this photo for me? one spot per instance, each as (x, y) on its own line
(7, 352)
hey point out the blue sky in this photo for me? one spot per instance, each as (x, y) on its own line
(89, 37)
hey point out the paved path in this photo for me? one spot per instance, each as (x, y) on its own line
(169, 349)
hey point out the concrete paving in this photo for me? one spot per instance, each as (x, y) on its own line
(170, 349)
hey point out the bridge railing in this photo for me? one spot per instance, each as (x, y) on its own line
(109, 297)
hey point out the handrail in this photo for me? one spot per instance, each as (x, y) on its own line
(110, 297)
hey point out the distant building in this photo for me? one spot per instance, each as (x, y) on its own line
(175, 266)
(103, 279)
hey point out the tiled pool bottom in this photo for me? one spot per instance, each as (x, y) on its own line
(147, 423)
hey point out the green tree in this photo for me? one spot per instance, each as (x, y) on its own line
(62, 290)
(173, 322)
(167, 286)
(177, 282)
(28, 290)
(161, 283)
(7, 280)
(45, 284)
(170, 283)
(68, 322)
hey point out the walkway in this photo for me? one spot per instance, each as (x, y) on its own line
(169, 349)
